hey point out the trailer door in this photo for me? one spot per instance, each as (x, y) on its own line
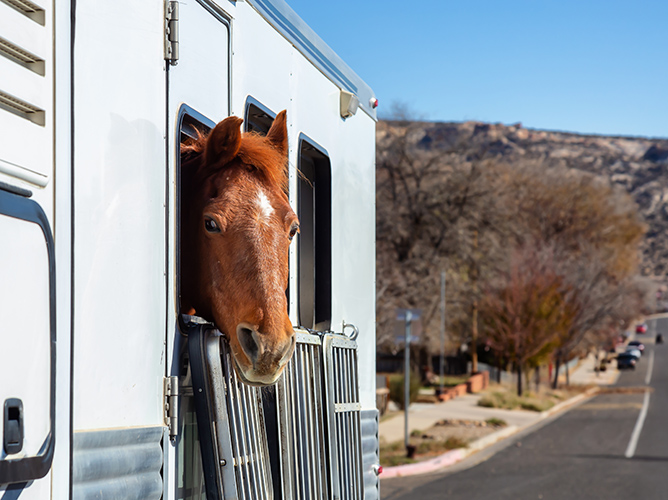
(198, 97)
(27, 342)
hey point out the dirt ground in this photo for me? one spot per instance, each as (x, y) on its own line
(444, 436)
(464, 430)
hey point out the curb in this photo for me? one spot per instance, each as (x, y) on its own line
(448, 458)
(452, 457)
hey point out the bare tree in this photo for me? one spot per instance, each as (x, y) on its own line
(526, 313)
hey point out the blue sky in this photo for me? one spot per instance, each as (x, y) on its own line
(588, 66)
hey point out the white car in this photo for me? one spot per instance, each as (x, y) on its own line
(634, 352)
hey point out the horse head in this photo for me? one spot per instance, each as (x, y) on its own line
(237, 226)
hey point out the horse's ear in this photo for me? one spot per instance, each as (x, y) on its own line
(278, 134)
(223, 142)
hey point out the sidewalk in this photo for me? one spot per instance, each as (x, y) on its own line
(422, 416)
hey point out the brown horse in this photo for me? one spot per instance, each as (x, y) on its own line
(237, 225)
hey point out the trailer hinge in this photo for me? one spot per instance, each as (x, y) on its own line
(171, 386)
(172, 32)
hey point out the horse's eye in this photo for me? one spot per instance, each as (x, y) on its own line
(211, 226)
(293, 230)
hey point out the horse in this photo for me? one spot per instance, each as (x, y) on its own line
(236, 228)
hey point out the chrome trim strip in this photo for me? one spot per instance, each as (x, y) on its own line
(23, 173)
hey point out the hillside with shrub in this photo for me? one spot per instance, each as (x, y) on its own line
(511, 213)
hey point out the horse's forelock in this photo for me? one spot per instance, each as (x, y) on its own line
(256, 151)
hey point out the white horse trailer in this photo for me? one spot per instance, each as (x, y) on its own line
(107, 391)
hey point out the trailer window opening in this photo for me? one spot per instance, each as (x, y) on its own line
(190, 123)
(315, 237)
(258, 118)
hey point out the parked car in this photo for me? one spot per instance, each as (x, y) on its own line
(641, 328)
(633, 352)
(638, 345)
(626, 360)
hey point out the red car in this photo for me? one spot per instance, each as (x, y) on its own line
(641, 328)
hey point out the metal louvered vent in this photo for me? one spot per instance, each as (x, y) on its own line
(29, 9)
(21, 108)
(23, 57)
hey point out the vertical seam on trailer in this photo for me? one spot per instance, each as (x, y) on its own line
(167, 233)
(73, 7)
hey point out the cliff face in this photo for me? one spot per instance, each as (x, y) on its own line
(640, 165)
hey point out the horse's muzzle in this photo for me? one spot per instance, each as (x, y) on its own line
(267, 356)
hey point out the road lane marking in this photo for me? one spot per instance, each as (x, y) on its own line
(631, 448)
(648, 377)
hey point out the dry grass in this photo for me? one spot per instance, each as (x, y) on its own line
(505, 397)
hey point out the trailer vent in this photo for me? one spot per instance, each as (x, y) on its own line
(21, 108)
(29, 9)
(23, 57)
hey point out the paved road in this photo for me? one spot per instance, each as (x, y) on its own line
(583, 454)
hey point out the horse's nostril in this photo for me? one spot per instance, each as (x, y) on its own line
(248, 343)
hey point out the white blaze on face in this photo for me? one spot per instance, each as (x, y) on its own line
(264, 205)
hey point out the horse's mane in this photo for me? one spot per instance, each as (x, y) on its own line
(255, 150)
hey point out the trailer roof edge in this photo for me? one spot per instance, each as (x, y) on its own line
(280, 15)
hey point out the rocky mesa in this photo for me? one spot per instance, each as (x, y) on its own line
(638, 164)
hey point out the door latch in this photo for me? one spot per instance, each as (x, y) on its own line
(13, 426)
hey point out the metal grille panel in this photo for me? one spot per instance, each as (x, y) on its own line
(318, 424)
(302, 424)
(247, 436)
(344, 404)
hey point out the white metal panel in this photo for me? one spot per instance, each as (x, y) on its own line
(261, 64)
(354, 243)
(29, 87)
(200, 79)
(119, 187)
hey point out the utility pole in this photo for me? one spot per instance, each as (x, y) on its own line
(407, 374)
(474, 315)
(441, 370)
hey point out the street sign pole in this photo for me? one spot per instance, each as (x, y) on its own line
(407, 374)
